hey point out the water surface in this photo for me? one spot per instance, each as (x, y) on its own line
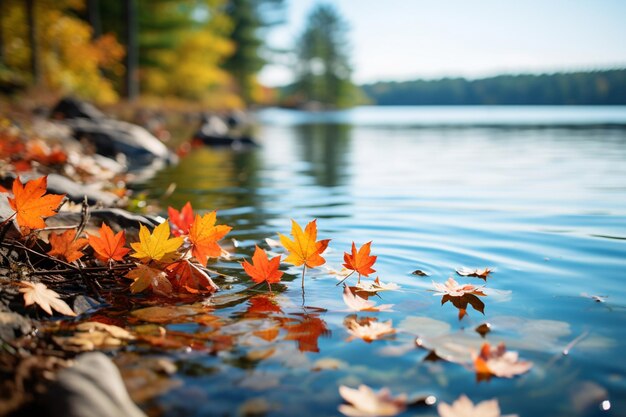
(538, 194)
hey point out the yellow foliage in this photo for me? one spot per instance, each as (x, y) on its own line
(71, 61)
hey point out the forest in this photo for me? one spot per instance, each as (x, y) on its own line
(568, 88)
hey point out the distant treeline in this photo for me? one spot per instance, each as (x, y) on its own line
(597, 87)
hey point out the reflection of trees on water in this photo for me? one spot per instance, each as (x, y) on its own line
(212, 179)
(325, 146)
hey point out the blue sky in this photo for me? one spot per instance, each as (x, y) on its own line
(408, 39)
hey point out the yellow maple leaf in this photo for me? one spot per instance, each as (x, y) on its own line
(303, 249)
(156, 246)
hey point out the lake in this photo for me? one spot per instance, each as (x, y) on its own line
(536, 194)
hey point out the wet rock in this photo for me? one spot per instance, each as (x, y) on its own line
(111, 137)
(13, 325)
(91, 388)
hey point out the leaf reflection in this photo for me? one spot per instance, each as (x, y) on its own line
(463, 301)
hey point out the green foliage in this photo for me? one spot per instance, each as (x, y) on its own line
(250, 18)
(323, 70)
(590, 88)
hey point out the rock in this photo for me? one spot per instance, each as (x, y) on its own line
(91, 388)
(215, 132)
(111, 137)
(13, 325)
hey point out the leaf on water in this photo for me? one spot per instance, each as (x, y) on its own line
(181, 220)
(263, 269)
(373, 330)
(108, 246)
(596, 298)
(66, 246)
(304, 249)
(454, 289)
(48, 300)
(463, 407)
(367, 289)
(204, 235)
(499, 362)
(482, 273)
(95, 335)
(420, 273)
(357, 303)
(361, 262)
(156, 246)
(31, 205)
(328, 364)
(365, 402)
(190, 277)
(273, 243)
(144, 276)
(168, 314)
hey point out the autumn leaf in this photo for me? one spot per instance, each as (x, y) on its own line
(454, 289)
(361, 261)
(262, 269)
(303, 249)
(48, 300)
(156, 246)
(478, 273)
(356, 303)
(366, 402)
(181, 220)
(108, 247)
(190, 277)
(65, 245)
(499, 362)
(370, 331)
(204, 235)
(30, 203)
(144, 276)
(464, 407)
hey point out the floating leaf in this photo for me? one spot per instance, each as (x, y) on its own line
(66, 246)
(454, 289)
(499, 362)
(204, 235)
(420, 273)
(94, 335)
(478, 272)
(108, 246)
(364, 402)
(48, 300)
(31, 205)
(262, 269)
(156, 246)
(373, 330)
(361, 262)
(357, 303)
(463, 407)
(483, 329)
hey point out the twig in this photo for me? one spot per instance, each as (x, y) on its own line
(347, 276)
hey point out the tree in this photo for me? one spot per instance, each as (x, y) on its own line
(323, 70)
(250, 19)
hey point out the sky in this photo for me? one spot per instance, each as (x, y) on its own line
(410, 39)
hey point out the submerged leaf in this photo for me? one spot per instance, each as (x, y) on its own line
(364, 402)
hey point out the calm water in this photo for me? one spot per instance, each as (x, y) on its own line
(538, 194)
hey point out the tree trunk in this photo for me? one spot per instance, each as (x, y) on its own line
(132, 52)
(35, 67)
(93, 17)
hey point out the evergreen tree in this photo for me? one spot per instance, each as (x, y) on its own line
(323, 70)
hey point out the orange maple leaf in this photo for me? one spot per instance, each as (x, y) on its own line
(181, 220)
(360, 261)
(31, 205)
(303, 249)
(204, 235)
(144, 276)
(190, 277)
(108, 247)
(262, 268)
(65, 245)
